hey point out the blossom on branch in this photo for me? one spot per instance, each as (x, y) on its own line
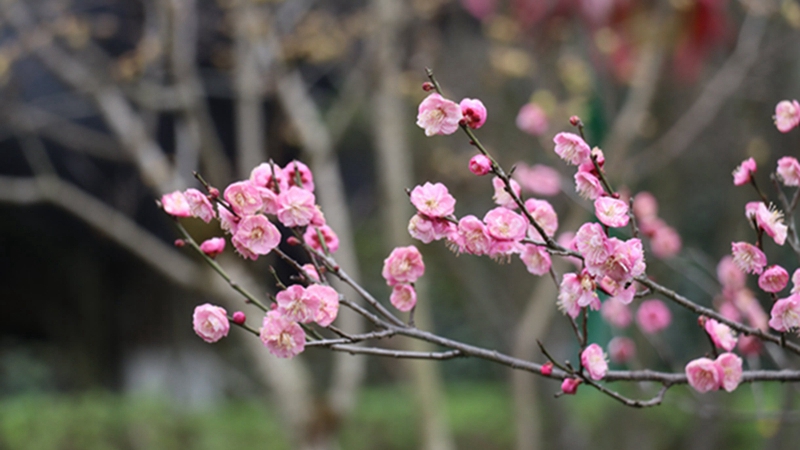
(480, 165)
(433, 200)
(255, 235)
(612, 212)
(787, 115)
(785, 314)
(295, 304)
(213, 247)
(403, 297)
(283, 337)
(721, 334)
(210, 322)
(403, 265)
(773, 279)
(175, 204)
(572, 148)
(200, 205)
(244, 198)
(473, 112)
(743, 173)
(594, 360)
(438, 115)
(296, 207)
(789, 171)
(748, 257)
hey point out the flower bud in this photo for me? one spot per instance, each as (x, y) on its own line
(575, 121)
(179, 243)
(547, 369)
(570, 385)
(427, 86)
(239, 317)
(291, 240)
(213, 193)
(480, 165)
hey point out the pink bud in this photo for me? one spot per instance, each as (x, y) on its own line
(570, 385)
(239, 317)
(547, 369)
(291, 240)
(474, 112)
(213, 247)
(213, 193)
(179, 243)
(773, 279)
(575, 121)
(480, 165)
(427, 86)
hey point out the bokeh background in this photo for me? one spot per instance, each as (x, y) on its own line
(107, 104)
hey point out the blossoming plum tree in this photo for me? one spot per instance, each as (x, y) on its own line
(609, 257)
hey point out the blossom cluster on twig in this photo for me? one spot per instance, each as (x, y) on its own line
(277, 204)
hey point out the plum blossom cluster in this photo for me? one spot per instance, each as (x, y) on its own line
(250, 211)
(610, 268)
(438, 115)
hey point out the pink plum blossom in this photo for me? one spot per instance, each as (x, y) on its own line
(544, 215)
(428, 230)
(472, 236)
(771, 221)
(283, 337)
(311, 272)
(227, 220)
(403, 265)
(729, 274)
(789, 171)
(213, 247)
(612, 212)
(721, 334)
(743, 173)
(590, 241)
(244, 198)
(296, 207)
(787, 115)
(295, 304)
(570, 385)
(536, 259)
(328, 303)
(588, 186)
(256, 235)
(403, 297)
(616, 313)
(730, 368)
(438, 115)
(748, 258)
(576, 292)
(505, 225)
(594, 360)
(262, 176)
(296, 170)
(538, 179)
(785, 314)
(200, 205)
(175, 204)
(501, 196)
(625, 261)
(210, 322)
(653, 316)
(312, 238)
(532, 119)
(621, 349)
(665, 242)
(572, 148)
(773, 279)
(704, 375)
(433, 200)
(473, 112)
(480, 165)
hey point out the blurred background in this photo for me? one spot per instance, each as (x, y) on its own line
(107, 104)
